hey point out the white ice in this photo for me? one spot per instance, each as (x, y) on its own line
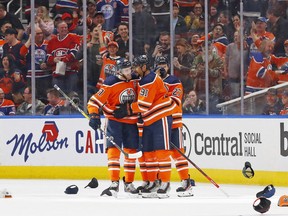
(47, 198)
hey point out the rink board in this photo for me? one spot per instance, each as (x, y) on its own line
(66, 148)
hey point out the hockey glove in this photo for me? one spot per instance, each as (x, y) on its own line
(122, 111)
(94, 121)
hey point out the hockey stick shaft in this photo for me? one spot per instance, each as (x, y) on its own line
(198, 168)
(110, 138)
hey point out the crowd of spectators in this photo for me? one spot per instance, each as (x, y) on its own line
(59, 47)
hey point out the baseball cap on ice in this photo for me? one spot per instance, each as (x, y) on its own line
(283, 201)
(72, 189)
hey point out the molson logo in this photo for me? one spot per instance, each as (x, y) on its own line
(24, 145)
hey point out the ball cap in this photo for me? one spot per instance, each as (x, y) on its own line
(72, 189)
(66, 16)
(247, 170)
(93, 183)
(261, 205)
(268, 192)
(283, 201)
(113, 43)
(262, 19)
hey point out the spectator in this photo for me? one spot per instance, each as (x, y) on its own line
(11, 78)
(260, 74)
(12, 46)
(163, 46)
(232, 69)
(72, 23)
(192, 104)
(43, 73)
(284, 99)
(215, 71)
(25, 108)
(94, 60)
(195, 46)
(213, 16)
(277, 26)
(7, 107)
(16, 24)
(258, 33)
(55, 103)
(3, 28)
(107, 35)
(91, 11)
(183, 63)
(64, 48)
(201, 28)
(109, 62)
(273, 104)
(160, 10)
(123, 41)
(144, 35)
(227, 25)
(179, 25)
(45, 23)
(192, 19)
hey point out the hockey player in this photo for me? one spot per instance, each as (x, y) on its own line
(156, 108)
(119, 90)
(175, 90)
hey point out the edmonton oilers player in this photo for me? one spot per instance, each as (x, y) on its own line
(175, 91)
(156, 108)
(117, 91)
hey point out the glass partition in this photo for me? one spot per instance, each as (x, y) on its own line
(226, 54)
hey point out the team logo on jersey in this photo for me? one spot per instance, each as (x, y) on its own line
(40, 56)
(127, 96)
(60, 52)
(110, 69)
(107, 11)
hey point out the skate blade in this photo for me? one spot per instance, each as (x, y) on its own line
(185, 194)
(149, 195)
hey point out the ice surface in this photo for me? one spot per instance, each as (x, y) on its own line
(47, 198)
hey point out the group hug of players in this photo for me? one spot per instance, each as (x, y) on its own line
(143, 111)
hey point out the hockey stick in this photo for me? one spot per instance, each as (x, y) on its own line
(198, 168)
(110, 138)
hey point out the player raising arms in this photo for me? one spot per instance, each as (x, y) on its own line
(119, 90)
(156, 108)
(175, 91)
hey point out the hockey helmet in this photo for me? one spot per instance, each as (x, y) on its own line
(141, 60)
(161, 60)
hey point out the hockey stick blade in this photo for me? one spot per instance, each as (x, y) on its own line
(128, 155)
(198, 168)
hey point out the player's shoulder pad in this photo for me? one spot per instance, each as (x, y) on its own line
(258, 57)
(172, 79)
(148, 79)
(111, 80)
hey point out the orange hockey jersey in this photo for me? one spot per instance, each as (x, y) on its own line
(153, 100)
(112, 93)
(260, 74)
(175, 91)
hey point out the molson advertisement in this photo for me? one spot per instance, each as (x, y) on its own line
(69, 148)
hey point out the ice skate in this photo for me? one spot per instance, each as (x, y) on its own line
(112, 190)
(163, 191)
(150, 191)
(130, 189)
(142, 186)
(186, 190)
